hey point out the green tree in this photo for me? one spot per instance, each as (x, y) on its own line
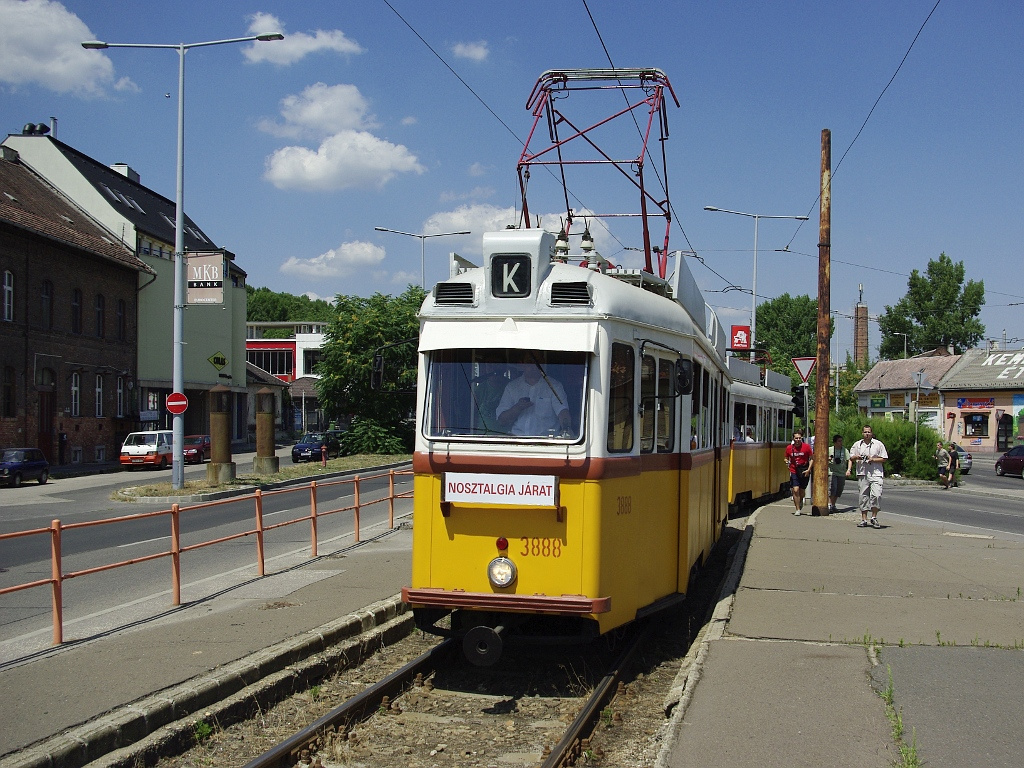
(359, 328)
(939, 310)
(787, 326)
(265, 305)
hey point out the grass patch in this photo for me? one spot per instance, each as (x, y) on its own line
(288, 471)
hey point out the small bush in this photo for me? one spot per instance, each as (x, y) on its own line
(367, 436)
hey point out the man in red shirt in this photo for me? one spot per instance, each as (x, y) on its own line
(800, 459)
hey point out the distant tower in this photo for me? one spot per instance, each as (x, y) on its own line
(860, 331)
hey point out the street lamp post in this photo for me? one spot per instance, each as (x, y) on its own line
(904, 335)
(177, 353)
(423, 280)
(753, 300)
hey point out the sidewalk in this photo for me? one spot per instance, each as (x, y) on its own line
(819, 616)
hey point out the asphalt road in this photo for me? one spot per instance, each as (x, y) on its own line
(98, 602)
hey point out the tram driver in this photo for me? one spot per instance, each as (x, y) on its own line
(533, 404)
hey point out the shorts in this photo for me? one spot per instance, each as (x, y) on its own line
(836, 484)
(943, 471)
(799, 480)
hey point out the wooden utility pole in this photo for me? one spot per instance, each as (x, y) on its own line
(819, 485)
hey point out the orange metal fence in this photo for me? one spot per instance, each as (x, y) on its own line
(56, 531)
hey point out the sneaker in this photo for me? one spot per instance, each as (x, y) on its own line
(862, 524)
(797, 513)
(874, 523)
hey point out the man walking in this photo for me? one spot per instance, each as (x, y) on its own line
(942, 462)
(800, 459)
(837, 459)
(870, 455)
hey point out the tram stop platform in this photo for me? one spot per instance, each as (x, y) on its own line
(819, 618)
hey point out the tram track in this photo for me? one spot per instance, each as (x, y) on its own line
(418, 703)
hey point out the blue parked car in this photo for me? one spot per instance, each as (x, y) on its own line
(18, 464)
(308, 448)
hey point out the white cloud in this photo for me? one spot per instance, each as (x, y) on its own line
(474, 51)
(41, 44)
(346, 160)
(344, 260)
(477, 193)
(477, 169)
(409, 120)
(296, 45)
(321, 110)
(477, 218)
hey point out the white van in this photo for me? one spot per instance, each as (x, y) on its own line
(153, 449)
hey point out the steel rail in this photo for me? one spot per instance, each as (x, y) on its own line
(358, 707)
(571, 746)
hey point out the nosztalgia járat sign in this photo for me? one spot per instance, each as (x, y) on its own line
(205, 278)
(520, 490)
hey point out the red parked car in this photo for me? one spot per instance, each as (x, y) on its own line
(1011, 462)
(196, 449)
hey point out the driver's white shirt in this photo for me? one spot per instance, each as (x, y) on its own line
(542, 418)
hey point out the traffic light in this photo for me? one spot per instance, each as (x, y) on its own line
(799, 407)
(377, 371)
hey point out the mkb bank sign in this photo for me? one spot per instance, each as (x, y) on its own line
(205, 278)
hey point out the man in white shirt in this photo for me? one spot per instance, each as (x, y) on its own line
(533, 404)
(870, 455)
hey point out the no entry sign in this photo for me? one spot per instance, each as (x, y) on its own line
(177, 403)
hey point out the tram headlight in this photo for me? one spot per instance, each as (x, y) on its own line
(501, 571)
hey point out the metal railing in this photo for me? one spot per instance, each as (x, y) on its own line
(56, 532)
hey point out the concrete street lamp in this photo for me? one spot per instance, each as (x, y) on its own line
(423, 283)
(177, 354)
(753, 303)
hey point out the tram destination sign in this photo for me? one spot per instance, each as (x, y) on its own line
(507, 490)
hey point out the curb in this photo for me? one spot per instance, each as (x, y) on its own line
(690, 671)
(143, 730)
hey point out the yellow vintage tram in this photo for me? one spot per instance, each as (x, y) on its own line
(575, 457)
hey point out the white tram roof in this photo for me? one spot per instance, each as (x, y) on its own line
(521, 298)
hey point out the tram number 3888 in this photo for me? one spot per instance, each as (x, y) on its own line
(625, 505)
(537, 547)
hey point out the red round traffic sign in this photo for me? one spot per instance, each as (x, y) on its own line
(177, 403)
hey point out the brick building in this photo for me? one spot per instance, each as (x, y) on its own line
(68, 326)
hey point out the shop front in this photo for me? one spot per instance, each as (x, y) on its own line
(984, 400)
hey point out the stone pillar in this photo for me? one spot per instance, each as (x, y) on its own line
(265, 463)
(221, 468)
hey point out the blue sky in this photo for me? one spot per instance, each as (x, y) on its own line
(296, 150)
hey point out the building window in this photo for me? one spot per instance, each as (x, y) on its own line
(76, 311)
(976, 424)
(122, 320)
(279, 362)
(101, 316)
(100, 453)
(76, 393)
(120, 397)
(46, 305)
(8, 296)
(99, 396)
(8, 393)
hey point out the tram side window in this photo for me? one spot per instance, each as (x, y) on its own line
(666, 406)
(620, 399)
(658, 405)
(695, 409)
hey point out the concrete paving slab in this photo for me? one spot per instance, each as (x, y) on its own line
(852, 618)
(962, 706)
(784, 704)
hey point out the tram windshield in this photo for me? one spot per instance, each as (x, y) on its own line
(505, 394)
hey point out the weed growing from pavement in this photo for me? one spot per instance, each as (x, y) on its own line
(908, 752)
(201, 731)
